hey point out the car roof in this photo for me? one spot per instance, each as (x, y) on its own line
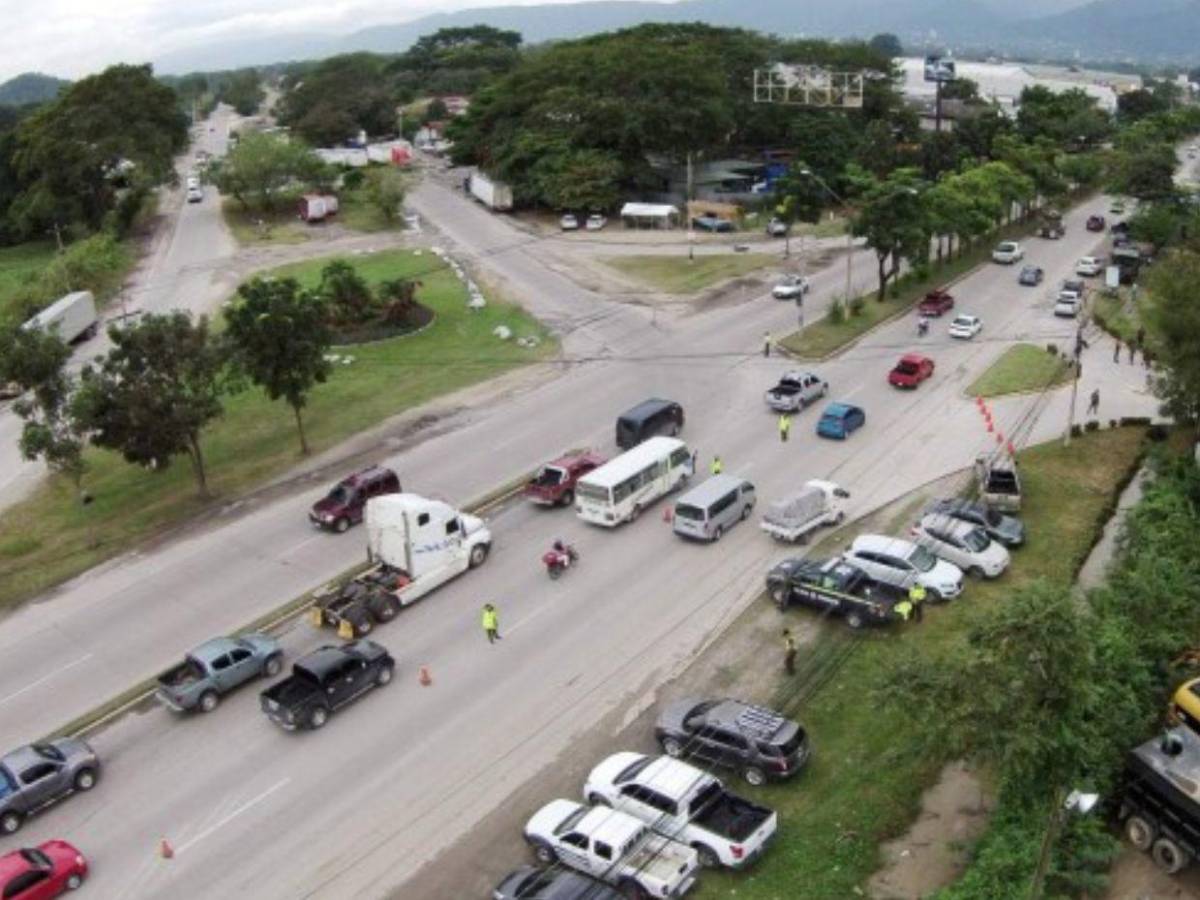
(946, 522)
(880, 543)
(757, 722)
(712, 488)
(671, 777)
(838, 409)
(570, 459)
(371, 473)
(322, 659)
(609, 825)
(21, 757)
(647, 408)
(915, 358)
(214, 647)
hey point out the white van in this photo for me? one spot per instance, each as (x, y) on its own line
(710, 509)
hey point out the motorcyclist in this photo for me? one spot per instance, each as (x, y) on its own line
(922, 325)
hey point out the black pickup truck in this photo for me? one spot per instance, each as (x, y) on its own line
(833, 585)
(324, 680)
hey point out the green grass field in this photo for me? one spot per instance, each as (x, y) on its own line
(1020, 368)
(50, 537)
(679, 275)
(870, 763)
(283, 226)
(20, 266)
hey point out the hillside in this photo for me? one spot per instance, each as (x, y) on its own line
(31, 87)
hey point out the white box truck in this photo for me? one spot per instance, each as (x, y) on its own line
(72, 317)
(494, 195)
(416, 545)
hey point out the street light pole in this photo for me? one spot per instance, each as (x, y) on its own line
(808, 173)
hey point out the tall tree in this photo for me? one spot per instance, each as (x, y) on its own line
(886, 44)
(154, 392)
(893, 218)
(262, 167)
(386, 188)
(338, 97)
(1174, 322)
(279, 335)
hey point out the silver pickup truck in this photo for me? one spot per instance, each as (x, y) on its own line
(216, 667)
(795, 391)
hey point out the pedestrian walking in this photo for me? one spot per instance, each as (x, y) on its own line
(1117, 351)
(491, 623)
(916, 596)
(766, 344)
(1141, 339)
(1093, 407)
(785, 425)
(789, 652)
(1132, 351)
(717, 466)
(695, 460)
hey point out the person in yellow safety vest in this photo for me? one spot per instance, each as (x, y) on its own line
(785, 425)
(903, 610)
(717, 467)
(916, 596)
(491, 623)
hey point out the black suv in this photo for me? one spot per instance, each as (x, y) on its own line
(833, 586)
(758, 742)
(1008, 530)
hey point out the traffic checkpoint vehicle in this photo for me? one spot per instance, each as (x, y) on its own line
(1158, 803)
(416, 545)
(36, 775)
(554, 483)
(613, 846)
(324, 681)
(795, 391)
(900, 564)
(758, 742)
(684, 803)
(797, 515)
(216, 667)
(834, 586)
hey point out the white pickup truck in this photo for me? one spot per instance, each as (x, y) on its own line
(685, 804)
(796, 515)
(612, 846)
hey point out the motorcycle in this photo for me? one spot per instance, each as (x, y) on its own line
(558, 559)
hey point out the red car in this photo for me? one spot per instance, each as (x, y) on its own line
(1095, 223)
(554, 484)
(347, 502)
(935, 303)
(41, 872)
(910, 371)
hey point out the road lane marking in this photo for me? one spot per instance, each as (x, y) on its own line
(220, 823)
(44, 678)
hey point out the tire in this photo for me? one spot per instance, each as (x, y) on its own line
(746, 511)
(273, 666)
(854, 620)
(544, 853)
(781, 595)
(360, 620)
(555, 572)
(74, 882)
(717, 534)
(675, 430)
(10, 822)
(672, 748)
(479, 553)
(568, 498)
(1140, 833)
(341, 525)
(384, 677)
(637, 511)
(383, 607)
(755, 776)
(85, 779)
(708, 856)
(839, 519)
(631, 890)
(318, 717)
(208, 702)
(1168, 856)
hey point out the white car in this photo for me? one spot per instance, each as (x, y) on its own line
(613, 846)
(569, 223)
(193, 181)
(195, 194)
(595, 222)
(962, 543)
(897, 562)
(1067, 305)
(1089, 266)
(791, 288)
(965, 327)
(1008, 252)
(777, 227)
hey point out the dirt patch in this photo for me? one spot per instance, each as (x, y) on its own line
(1135, 877)
(935, 851)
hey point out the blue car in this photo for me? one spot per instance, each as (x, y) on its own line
(839, 420)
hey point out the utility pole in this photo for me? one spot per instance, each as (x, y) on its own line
(1080, 346)
(803, 275)
(937, 106)
(687, 211)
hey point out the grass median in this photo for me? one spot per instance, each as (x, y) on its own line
(50, 537)
(1021, 368)
(871, 762)
(677, 274)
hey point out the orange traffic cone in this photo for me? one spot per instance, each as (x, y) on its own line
(423, 676)
(668, 512)
(165, 850)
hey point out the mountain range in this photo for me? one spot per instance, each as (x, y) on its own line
(31, 87)
(1147, 30)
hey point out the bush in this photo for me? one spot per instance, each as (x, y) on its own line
(1092, 425)
(837, 311)
(353, 179)
(1158, 433)
(856, 306)
(1127, 421)
(97, 264)
(1076, 430)
(1052, 349)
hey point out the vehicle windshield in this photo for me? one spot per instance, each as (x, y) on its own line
(963, 321)
(906, 368)
(592, 492)
(922, 559)
(7, 783)
(687, 511)
(48, 752)
(976, 540)
(341, 495)
(36, 857)
(1007, 248)
(550, 476)
(831, 419)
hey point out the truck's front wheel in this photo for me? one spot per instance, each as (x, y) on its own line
(209, 701)
(545, 853)
(1169, 856)
(478, 554)
(1140, 832)
(854, 620)
(318, 717)
(779, 594)
(631, 890)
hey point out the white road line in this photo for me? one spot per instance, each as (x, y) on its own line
(227, 819)
(44, 678)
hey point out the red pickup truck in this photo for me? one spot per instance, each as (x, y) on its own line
(935, 303)
(554, 484)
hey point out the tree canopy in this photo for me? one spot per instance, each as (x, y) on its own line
(339, 97)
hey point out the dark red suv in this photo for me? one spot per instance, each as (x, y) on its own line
(345, 504)
(554, 484)
(936, 303)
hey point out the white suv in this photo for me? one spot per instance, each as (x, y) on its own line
(1089, 266)
(1008, 252)
(897, 562)
(967, 546)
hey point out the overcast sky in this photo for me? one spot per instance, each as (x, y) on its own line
(71, 38)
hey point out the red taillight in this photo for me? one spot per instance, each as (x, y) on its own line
(737, 851)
